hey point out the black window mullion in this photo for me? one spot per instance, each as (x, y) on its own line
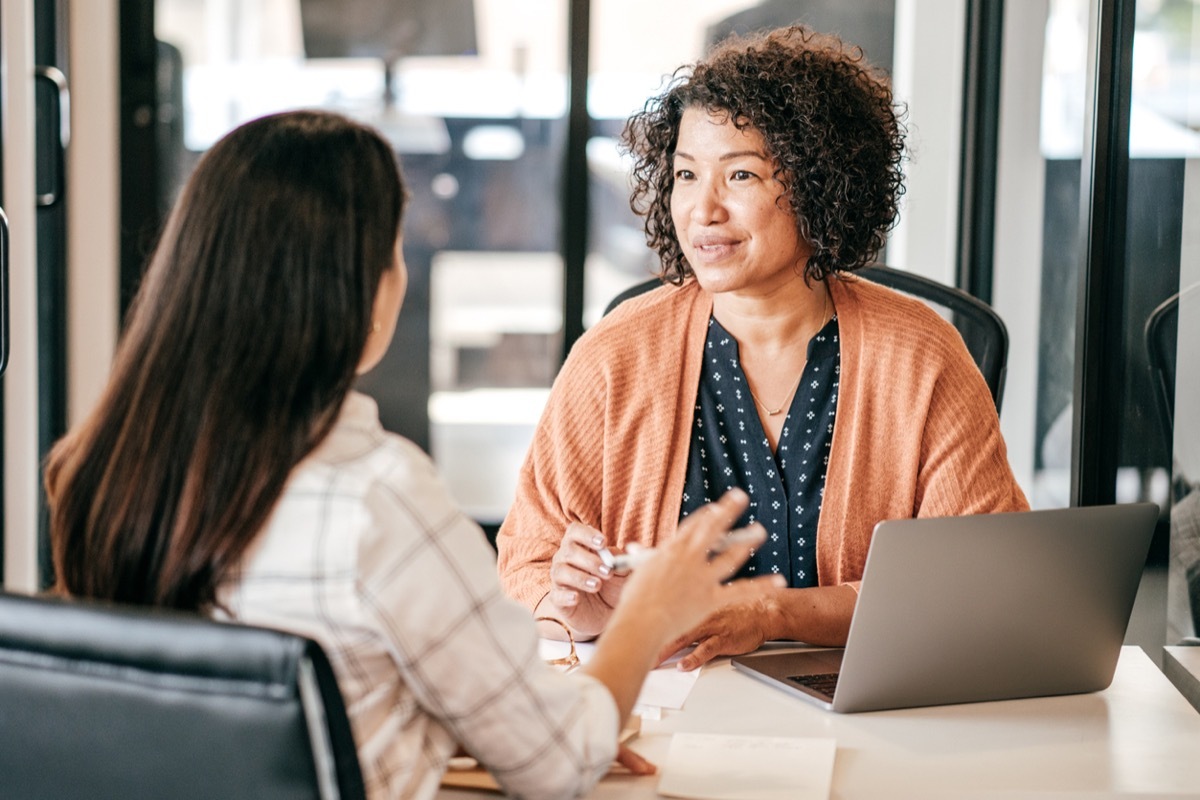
(1104, 182)
(575, 222)
(50, 55)
(980, 146)
(141, 212)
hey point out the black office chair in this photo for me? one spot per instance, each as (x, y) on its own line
(981, 327)
(1161, 334)
(99, 701)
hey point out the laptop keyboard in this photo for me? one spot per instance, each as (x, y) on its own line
(821, 683)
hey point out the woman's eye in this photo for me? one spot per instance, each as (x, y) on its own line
(742, 175)
(683, 175)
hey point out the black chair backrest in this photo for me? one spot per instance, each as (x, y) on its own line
(1162, 333)
(100, 701)
(981, 327)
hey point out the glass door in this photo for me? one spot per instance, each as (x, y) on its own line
(1164, 269)
(1096, 230)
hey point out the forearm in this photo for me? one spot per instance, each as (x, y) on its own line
(627, 652)
(819, 615)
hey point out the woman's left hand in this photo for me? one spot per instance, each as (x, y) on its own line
(731, 631)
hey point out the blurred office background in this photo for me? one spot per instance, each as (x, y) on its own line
(1053, 172)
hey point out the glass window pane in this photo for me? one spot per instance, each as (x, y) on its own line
(1159, 439)
(473, 95)
(1038, 238)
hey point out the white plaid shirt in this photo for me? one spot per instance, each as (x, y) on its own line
(367, 553)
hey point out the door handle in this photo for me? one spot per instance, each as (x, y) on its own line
(60, 119)
(3, 292)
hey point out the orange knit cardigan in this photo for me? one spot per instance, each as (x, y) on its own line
(916, 433)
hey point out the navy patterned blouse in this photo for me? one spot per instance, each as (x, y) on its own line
(730, 448)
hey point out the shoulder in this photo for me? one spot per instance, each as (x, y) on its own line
(410, 531)
(886, 307)
(884, 320)
(664, 296)
(362, 462)
(358, 448)
(631, 338)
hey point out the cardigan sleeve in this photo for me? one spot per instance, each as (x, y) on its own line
(964, 465)
(611, 448)
(560, 481)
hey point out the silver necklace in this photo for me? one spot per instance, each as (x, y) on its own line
(772, 412)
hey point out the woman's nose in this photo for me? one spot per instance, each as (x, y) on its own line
(707, 204)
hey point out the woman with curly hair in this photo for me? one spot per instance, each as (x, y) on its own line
(766, 173)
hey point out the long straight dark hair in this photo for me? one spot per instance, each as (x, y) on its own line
(238, 351)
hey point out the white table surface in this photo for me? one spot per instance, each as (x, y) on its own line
(1138, 738)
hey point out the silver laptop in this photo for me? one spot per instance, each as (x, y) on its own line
(988, 607)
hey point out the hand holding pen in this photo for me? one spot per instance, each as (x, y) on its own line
(636, 555)
(583, 591)
(584, 587)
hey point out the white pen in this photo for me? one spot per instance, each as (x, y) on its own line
(622, 562)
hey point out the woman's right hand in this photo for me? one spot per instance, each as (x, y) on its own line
(583, 591)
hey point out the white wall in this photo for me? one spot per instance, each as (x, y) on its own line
(93, 202)
(21, 472)
(928, 77)
(1020, 195)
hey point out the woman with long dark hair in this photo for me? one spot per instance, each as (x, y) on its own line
(230, 469)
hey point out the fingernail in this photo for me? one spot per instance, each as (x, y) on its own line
(779, 581)
(591, 583)
(604, 570)
(598, 540)
(571, 599)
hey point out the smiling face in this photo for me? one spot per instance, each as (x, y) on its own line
(733, 223)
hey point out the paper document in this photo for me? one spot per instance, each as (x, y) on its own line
(717, 767)
(667, 687)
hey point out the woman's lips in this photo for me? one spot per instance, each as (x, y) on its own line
(713, 248)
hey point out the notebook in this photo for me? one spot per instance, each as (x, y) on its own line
(975, 608)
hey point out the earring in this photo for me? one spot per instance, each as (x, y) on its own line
(376, 327)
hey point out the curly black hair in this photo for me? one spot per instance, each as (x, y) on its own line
(828, 120)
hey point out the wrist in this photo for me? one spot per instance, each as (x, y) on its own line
(771, 615)
(647, 622)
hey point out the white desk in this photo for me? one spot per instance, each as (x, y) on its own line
(1139, 738)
